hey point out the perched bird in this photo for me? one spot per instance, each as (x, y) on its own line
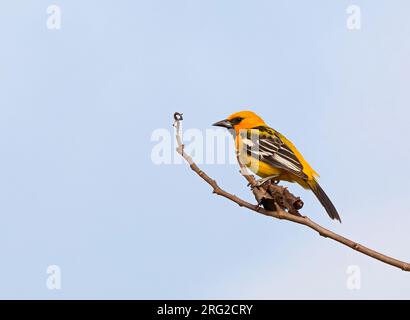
(271, 156)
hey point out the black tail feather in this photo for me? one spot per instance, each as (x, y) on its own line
(325, 201)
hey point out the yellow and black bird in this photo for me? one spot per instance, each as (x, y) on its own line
(271, 156)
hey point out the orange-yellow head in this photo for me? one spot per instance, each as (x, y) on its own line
(241, 120)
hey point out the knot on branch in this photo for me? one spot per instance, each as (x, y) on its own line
(270, 193)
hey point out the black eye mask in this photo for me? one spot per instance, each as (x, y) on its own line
(236, 121)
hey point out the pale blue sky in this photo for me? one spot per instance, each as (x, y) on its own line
(78, 106)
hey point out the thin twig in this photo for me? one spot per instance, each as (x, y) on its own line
(279, 213)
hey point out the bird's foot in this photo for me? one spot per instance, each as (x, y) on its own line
(260, 182)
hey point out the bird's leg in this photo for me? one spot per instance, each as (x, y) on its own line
(260, 182)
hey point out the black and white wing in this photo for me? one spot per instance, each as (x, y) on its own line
(270, 149)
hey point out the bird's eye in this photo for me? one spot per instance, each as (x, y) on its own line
(236, 120)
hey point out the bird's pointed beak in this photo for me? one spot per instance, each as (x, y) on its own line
(224, 124)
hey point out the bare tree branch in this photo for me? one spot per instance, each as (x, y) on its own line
(279, 213)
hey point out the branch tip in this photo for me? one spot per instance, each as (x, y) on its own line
(178, 116)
